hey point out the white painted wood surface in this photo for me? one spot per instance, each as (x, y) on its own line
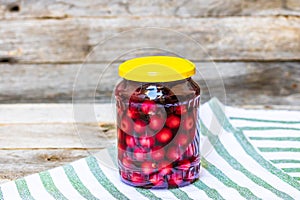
(36, 137)
(52, 113)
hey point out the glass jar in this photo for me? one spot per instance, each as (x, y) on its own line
(157, 112)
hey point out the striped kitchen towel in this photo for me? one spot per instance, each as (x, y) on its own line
(247, 154)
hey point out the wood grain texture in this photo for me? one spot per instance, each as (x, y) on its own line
(292, 5)
(70, 40)
(54, 114)
(64, 135)
(18, 163)
(37, 137)
(32, 153)
(245, 82)
(189, 8)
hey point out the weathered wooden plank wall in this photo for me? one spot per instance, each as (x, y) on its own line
(230, 38)
(255, 82)
(256, 45)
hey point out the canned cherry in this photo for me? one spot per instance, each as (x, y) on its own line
(158, 136)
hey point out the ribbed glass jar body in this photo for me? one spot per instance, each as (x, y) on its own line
(158, 135)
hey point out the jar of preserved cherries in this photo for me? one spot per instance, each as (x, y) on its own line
(157, 113)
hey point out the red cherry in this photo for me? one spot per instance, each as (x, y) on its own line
(148, 167)
(188, 123)
(173, 121)
(156, 179)
(119, 132)
(139, 154)
(126, 162)
(124, 174)
(121, 137)
(182, 139)
(130, 141)
(132, 113)
(157, 153)
(148, 107)
(180, 110)
(164, 135)
(146, 142)
(137, 177)
(184, 164)
(126, 125)
(139, 126)
(121, 146)
(175, 180)
(156, 123)
(165, 168)
(173, 153)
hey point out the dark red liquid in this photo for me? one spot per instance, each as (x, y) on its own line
(158, 138)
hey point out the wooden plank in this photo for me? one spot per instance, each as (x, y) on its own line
(18, 163)
(38, 126)
(37, 137)
(268, 82)
(70, 40)
(258, 96)
(45, 135)
(54, 114)
(293, 5)
(194, 8)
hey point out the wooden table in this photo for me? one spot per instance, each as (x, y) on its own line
(36, 137)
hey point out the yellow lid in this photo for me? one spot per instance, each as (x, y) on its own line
(156, 69)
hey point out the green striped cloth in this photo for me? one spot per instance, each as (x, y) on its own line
(247, 154)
